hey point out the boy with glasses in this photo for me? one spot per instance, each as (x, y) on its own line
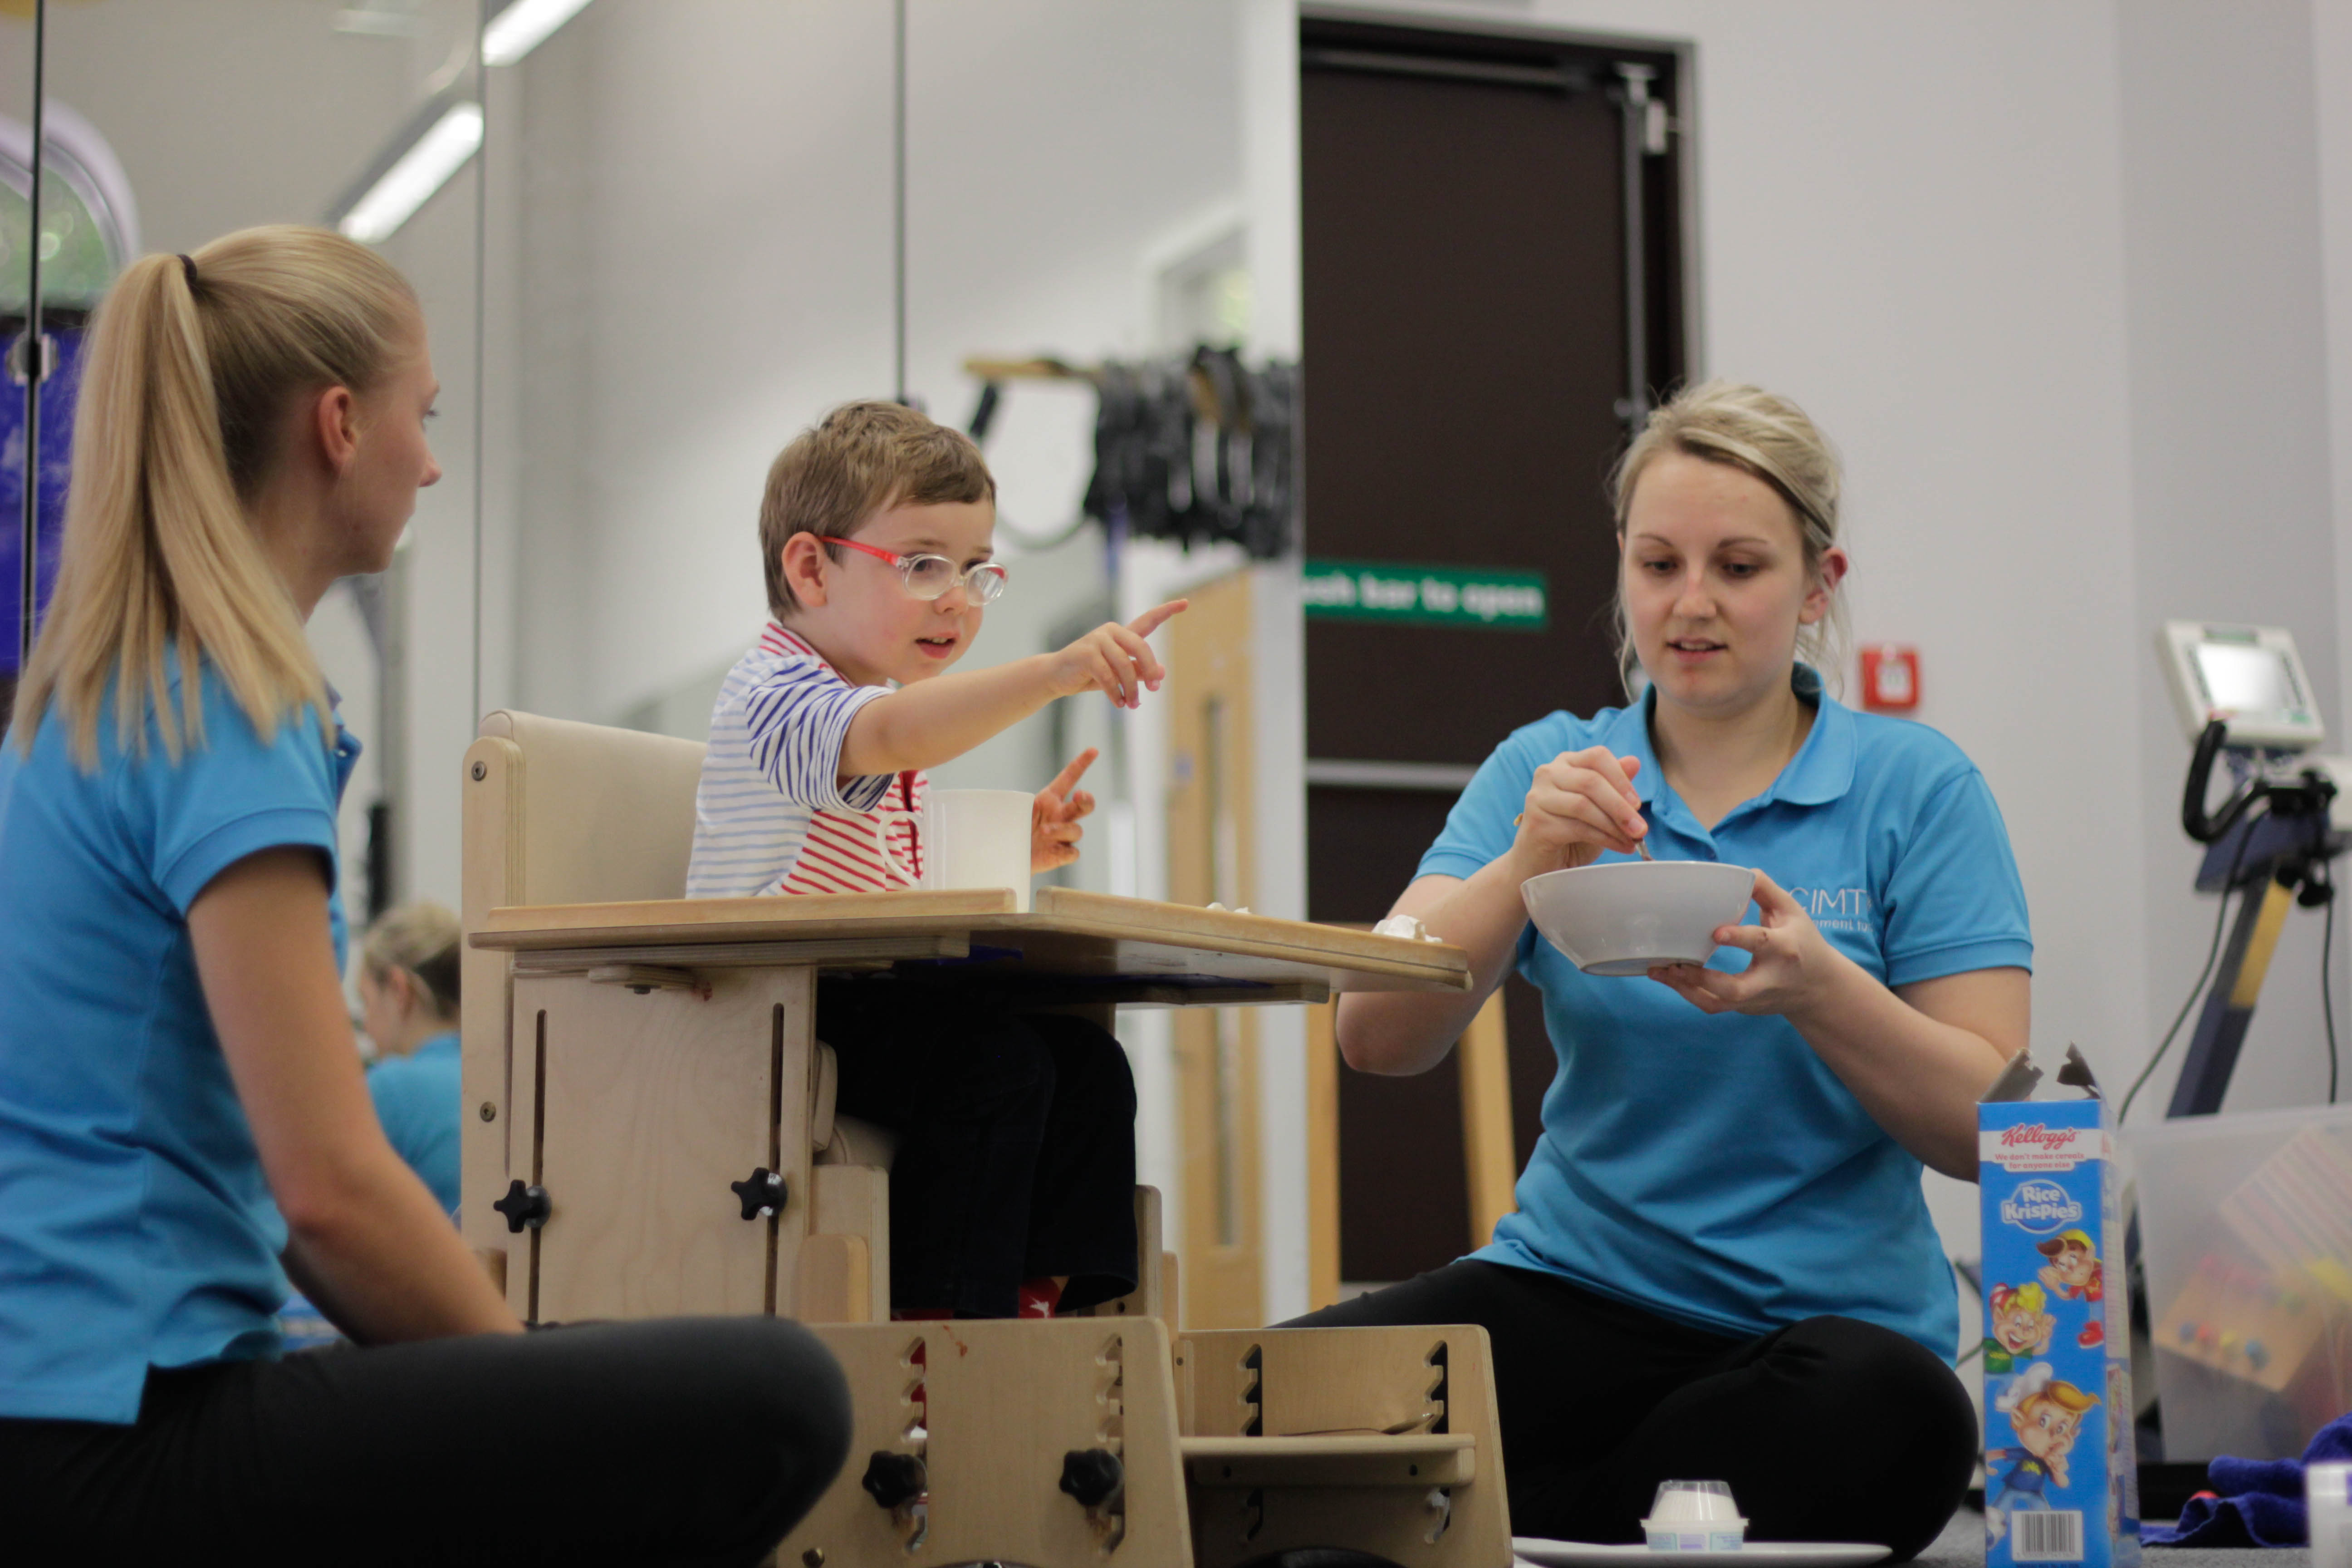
(1012, 1190)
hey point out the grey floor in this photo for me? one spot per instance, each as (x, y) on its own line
(1962, 1546)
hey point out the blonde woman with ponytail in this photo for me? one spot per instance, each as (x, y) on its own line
(1721, 1264)
(183, 1123)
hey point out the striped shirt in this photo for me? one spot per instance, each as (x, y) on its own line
(773, 814)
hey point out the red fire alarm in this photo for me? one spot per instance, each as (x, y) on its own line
(1890, 678)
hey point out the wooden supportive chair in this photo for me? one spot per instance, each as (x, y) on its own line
(649, 1129)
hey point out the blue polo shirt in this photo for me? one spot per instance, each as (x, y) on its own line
(136, 1229)
(417, 1098)
(1713, 1170)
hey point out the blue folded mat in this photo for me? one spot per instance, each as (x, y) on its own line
(2262, 1500)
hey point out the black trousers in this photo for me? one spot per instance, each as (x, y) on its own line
(688, 1441)
(1016, 1153)
(1831, 1429)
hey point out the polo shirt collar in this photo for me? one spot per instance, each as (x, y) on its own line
(1822, 769)
(1628, 735)
(1821, 772)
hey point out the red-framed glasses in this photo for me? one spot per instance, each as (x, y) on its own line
(929, 576)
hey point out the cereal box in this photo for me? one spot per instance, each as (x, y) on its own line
(2062, 1482)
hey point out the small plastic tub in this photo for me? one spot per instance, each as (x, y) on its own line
(1695, 1516)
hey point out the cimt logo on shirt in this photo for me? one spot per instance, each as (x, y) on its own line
(1837, 909)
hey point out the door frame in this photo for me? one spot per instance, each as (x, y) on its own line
(1488, 1106)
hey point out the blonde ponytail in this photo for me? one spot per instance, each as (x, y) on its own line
(191, 368)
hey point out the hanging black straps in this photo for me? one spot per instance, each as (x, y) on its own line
(1198, 449)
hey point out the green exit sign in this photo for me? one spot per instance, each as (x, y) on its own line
(1484, 598)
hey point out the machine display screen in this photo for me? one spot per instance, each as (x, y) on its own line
(2244, 678)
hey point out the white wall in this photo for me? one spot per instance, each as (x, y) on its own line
(705, 223)
(706, 212)
(2231, 474)
(2332, 69)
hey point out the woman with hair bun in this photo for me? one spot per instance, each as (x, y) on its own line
(182, 1120)
(1721, 1265)
(408, 985)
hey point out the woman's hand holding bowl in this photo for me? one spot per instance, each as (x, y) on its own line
(1581, 803)
(1792, 967)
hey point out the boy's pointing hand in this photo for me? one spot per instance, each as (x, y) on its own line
(1115, 659)
(1054, 830)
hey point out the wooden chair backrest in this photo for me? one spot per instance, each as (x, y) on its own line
(595, 815)
(556, 812)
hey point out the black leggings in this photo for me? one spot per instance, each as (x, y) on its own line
(1831, 1429)
(1016, 1156)
(691, 1441)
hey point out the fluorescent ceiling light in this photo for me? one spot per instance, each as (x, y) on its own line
(519, 28)
(414, 176)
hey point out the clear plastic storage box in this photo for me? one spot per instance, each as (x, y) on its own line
(2246, 1229)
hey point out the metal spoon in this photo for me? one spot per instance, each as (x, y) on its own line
(1641, 844)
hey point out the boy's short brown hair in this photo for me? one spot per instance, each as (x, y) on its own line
(861, 459)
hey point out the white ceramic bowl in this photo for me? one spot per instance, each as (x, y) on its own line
(1624, 917)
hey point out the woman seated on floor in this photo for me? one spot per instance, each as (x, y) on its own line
(1722, 1266)
(183, 1121)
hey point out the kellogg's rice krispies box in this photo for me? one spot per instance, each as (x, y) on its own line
(2062, 1482)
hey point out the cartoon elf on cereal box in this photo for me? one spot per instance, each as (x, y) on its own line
(2020, 1326)
(2073, 1272)
(2046, 1413)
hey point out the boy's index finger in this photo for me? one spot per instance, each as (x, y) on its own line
(1076, 770)
(1153, 619)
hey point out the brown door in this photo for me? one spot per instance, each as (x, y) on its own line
(1474, 357)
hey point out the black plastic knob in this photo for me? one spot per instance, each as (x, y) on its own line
(1093, 1475)
(762, 1193)
(523, 1205)
(892, 1479)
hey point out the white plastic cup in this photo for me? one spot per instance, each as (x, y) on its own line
(1695, 1516)
(2327, 1504)
(978, 839)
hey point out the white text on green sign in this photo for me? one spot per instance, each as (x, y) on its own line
(1488, 598)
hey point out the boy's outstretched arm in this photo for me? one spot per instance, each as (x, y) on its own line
(937, 720)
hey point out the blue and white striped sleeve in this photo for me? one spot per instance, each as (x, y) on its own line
(796, 722)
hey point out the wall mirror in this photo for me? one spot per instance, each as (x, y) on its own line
(710, 223)
(167, 125)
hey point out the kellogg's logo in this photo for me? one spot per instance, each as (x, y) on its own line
(2039, 1146)
(2039, 1207)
